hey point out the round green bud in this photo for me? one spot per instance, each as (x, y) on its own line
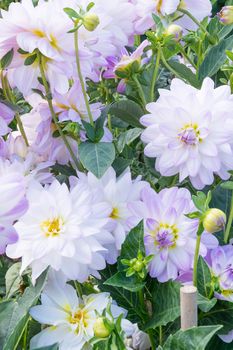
(214, 220)
(100, 329)
(226, 15)
(138, 266)
(90, 21)
(175, 30)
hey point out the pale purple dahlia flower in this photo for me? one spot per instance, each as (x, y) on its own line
(190, 132)
(13, 202)
(169, 234)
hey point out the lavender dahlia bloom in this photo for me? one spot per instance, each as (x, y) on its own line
(13, 202)
(221, 265)
(6, 116)
(169, 234)
(190, 132)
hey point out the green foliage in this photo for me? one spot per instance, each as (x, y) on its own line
(165, 304)
(14, 315)
(97, 157)
(195, 338)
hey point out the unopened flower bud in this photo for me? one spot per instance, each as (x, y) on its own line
(20, 147)
(100, 329)
(176, 31)
(138, 266)
(90, 21)
(214, 221)
(226, 15)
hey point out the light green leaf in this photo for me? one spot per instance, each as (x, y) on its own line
(97, 157)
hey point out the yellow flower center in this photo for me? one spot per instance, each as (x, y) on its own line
(159, 5)
(52, 39)
(115, 213)
(165, 235)
(190, 134)
(52, 228)
(79, 318)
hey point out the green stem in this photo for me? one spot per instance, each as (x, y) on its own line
(10, 97)
(196, 256)
(81, 77)
(21, 128)
(229, 222)
(78, 288)
(185, 12)
(53, 114)
(25, 337)
(155, 75)
(169, 67)
(182, 50)
(140, 90)
(160, 335)
(152, 341)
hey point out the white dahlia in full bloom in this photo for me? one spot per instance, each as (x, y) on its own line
(117, 193)
(169, 234)
(71, 321)
(60, 230)
(190, 132)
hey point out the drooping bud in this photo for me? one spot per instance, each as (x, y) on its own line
(214, 220)
(226, 15)
(90, 21)
(101, 330)
(176, 31)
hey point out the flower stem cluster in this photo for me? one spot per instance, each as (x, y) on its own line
(137, 265)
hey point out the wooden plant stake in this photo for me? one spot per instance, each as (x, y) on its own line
(188, 307)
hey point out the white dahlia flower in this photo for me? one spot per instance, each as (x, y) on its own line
(60, 230)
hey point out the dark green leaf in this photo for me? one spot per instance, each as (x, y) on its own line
(128, 111)
(97, 157)
(133, 243)
(120, 164)
(195, 338)
(203, 277)
(7, 59)
(14, 315)
(215, 58)
(165, 302)
(30, 60)
(127, 137)
(222, 313)
(51, 347)
(123, 297)
(185, 73)
(205, 304)
(129, 283)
